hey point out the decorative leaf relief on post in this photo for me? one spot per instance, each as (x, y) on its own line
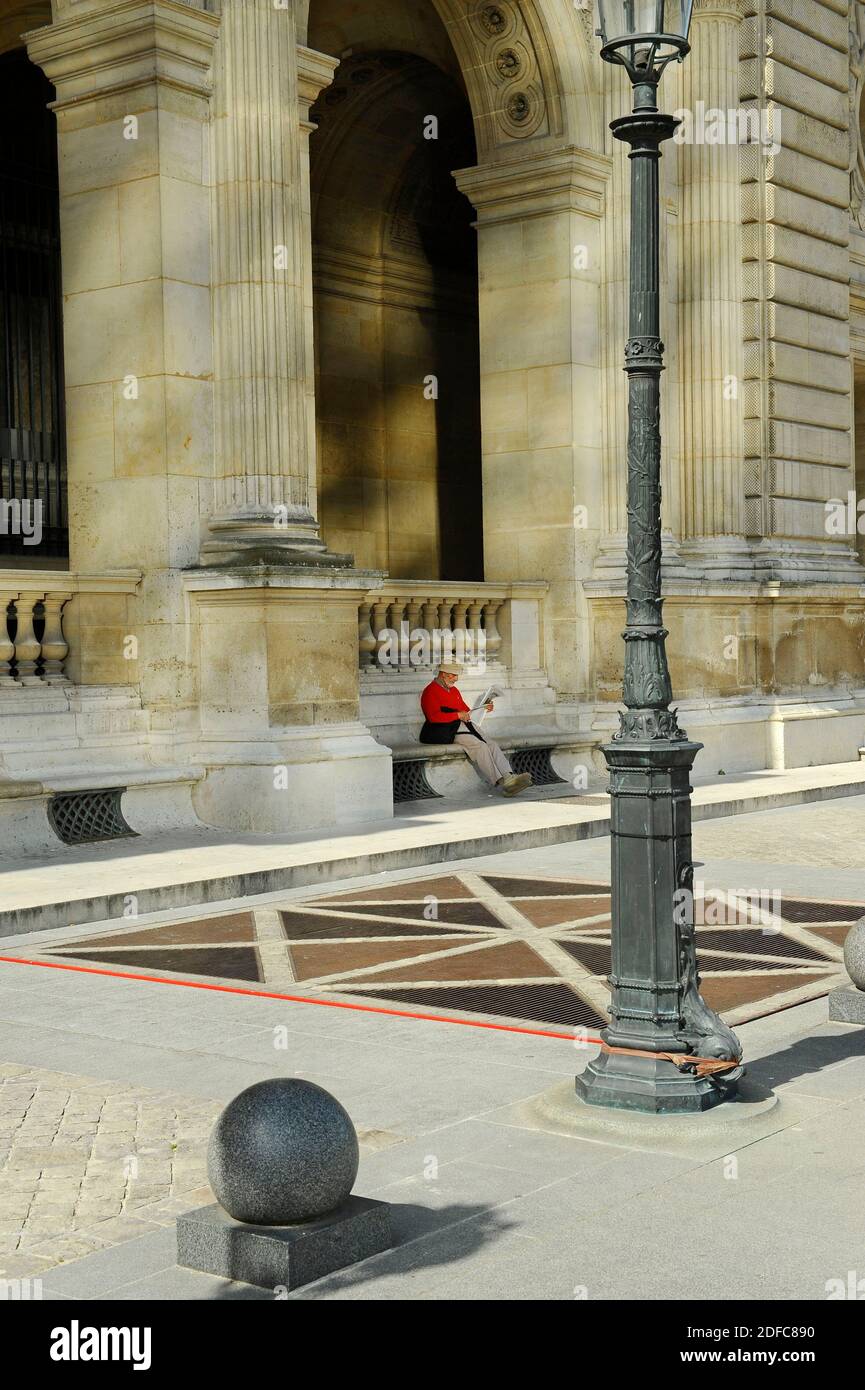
(704, 1032)
(649, 725)
(647, 681)
(644, 502)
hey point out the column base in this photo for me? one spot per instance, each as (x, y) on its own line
(246, 551)
(652, 1086)
(269, 535)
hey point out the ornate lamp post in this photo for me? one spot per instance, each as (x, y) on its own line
(657, 1011)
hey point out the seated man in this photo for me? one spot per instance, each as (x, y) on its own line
(447, 721)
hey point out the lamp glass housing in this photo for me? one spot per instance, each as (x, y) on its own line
(644, 33)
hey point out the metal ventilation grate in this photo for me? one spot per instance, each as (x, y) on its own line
(80, 818)
(537, 762)
(410, 781)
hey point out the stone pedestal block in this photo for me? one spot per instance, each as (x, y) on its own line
(276, 648)
(847, 1006)
(275, 1257)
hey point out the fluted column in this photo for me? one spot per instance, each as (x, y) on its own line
(265, 493)
(710, 275)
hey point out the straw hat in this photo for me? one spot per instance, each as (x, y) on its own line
(450, 668)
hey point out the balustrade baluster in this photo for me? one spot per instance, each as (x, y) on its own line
(493, 638)
(460, 646)
(396, 618)
(476, 645)
(463, 629)
(429, 615)
(28, 648)
(365, 636)
(379, 628)
(443, 648)
(55, 648)
(7, 646)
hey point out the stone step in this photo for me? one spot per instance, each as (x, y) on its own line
(92, 883)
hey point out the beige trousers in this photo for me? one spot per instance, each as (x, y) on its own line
(486, 755)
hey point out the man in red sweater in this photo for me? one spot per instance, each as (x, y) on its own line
(447, 719)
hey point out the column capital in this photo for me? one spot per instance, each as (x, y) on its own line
(718, 9)
(89, 53)
(516, 189)
(314, 72)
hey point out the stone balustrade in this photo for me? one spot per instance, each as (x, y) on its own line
(417, 623)
(33, 645)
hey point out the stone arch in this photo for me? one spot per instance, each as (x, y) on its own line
(527, 65)
(396, 319)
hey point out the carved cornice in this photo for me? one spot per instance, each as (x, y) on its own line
(564, 179)
(725, 9)
(98, 52)
(314, 72)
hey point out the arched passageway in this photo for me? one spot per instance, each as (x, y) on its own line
(396, 315)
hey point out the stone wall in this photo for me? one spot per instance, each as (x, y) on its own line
(796, 65)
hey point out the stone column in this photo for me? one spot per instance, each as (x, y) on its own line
(265, 487)
(710, 475)
(133, 85)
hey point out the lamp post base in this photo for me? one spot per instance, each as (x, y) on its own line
(656, 1006)
(652, 1086)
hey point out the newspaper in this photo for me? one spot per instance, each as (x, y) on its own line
(480, 709)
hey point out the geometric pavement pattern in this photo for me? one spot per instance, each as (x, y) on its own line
(491, 946)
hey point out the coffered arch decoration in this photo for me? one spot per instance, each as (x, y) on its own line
(526, 65)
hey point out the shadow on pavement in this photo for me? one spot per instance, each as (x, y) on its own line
(423, 1238)
(807, 1057)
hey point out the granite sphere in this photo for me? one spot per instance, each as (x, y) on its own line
(854, 953)
(282, 1151)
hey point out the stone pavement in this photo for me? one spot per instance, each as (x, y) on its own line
(86, 1164)
(526, 948)
(489, 1201)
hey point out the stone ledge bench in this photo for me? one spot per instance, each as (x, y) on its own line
(86, 806)
(425, 770)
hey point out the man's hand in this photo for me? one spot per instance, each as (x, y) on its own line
(489, 707)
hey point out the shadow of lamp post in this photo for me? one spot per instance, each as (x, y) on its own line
(656, 1006)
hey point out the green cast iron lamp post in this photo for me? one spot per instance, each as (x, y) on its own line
(656, 1006)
